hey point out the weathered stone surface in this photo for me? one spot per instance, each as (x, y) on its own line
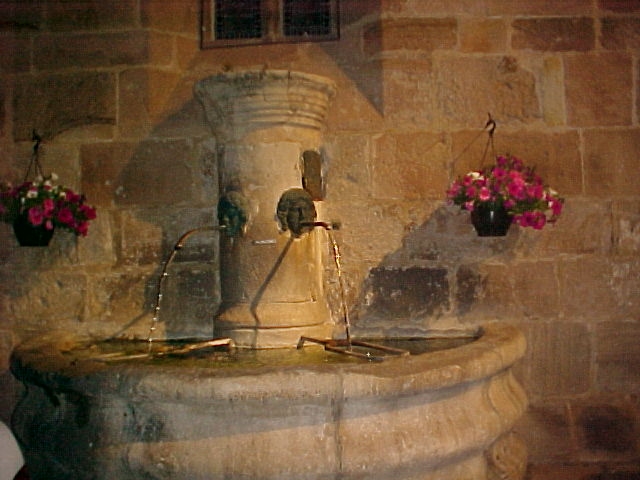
(468, 288)
(52, 104)
(167, 15)
(483, 35)
(554, 34)
(618, 355)
(91, 14)
(117, 303)
(403, 162)
(618, 6)
(538, 7)
(472, 87)
(563, 348)
(586, 289)
(548, 432)
(143, 100)
(626, 228)
(607, 428)
(407, 294)
(609, 78)
(409, 34)
(22, 16)
(585, 227)
(173, 158)
(15, 52)
(620, 33)
(90, 50)
(606, 159)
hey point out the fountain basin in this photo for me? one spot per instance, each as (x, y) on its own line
(440, 415)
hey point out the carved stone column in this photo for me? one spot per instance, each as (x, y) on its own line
(272, 289)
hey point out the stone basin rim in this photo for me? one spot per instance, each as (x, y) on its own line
(499, 346)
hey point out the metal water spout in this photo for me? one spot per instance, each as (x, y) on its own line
(271, 281)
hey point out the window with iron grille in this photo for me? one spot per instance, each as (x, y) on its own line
(245, 22)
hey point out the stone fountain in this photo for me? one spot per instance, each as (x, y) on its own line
(271, 411)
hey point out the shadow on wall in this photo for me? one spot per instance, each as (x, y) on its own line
(434, 281)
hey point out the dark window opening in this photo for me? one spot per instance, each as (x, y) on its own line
(247, 22)
(307, 17)
(238, 19)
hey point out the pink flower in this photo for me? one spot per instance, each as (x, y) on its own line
(82, 229)
(535, 191)
(484, 194)
(65, 216)
(48, 206)
(35, 216)
(88, 212)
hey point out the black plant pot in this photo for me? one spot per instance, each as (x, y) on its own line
(29, 235)
(490, 220)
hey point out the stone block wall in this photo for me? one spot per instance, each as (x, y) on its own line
(109, 85)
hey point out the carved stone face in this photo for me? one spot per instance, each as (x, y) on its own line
(233, 213)
(296, 211)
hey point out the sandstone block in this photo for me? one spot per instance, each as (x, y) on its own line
(544, 7)
(620, 33)
(102, 165)
(607, 162)
(424, 8)
(144, 99)
(535, 290)
(348, 173)
(172, 160)
(618, 356)
(554, 34)
(552, 86)
(117, 301)
(409, 166)
(547, 431)
(586, 288)
(25, 16)
(468, 288)
(626, 228)
(607, 428)
(471, 87)
(91, 14)
(63, 102)
(15, 52)
(410, 34)
(558, 358)
(190, 301)
(141, 238)
(608, 79)
(407, 294)
(90, 50)
(170, 16)
(483, 35)
(619, 6)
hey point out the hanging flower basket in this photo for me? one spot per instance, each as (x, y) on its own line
(36, 208)
(506, 187)
(29, 235)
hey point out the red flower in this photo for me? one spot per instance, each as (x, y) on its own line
(65, 216)
(36, 216)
